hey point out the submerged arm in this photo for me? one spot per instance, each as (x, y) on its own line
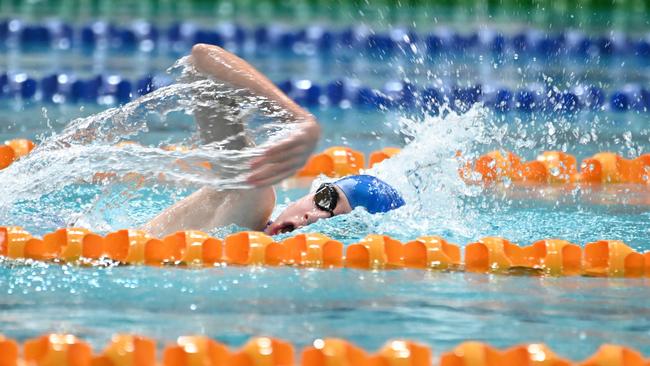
(208, 208)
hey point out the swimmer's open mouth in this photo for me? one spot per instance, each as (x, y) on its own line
(286, 228)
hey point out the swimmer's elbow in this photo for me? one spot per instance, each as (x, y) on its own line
(311, 119)
(202, 49)
(204, 55)
(304, 116)
(313, 127)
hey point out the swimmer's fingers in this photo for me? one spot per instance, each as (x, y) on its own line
(297, 140)
(270, 181)
(274, 173)
(301, 143)
(297, 151)
(279, 152)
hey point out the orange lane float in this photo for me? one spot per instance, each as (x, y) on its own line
(489, 255)
(12, 241)
(591, 172)
(21, 147)
(616, 169)
(492, 167)
(134, 350)
(498, 255)
(127, 350)
(557, 167)
(57, 350)
(531, 172)
(196, 350)
(561, 166)
(200, 350)
(613, 258)
(62, 244)
(551, 257)
(189, 247)
(480, 354)
(253, 248)
(614, 355)
(126, 246)
(402, 353)
(188, 167)
(378, 156)
(337, 161)
(554, 167)
(375, 252)
(7, 156)
(431, 252)
(9, 351)
(558, 257)
(314, 250)
(264, 351)
(14, 149)
(333, 352)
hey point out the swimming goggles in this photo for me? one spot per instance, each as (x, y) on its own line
(326, 198)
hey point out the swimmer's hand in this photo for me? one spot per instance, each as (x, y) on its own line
(282, 160)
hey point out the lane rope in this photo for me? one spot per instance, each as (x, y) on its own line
(394, 95)
(135, 350)
(191, 248)
(319, 39)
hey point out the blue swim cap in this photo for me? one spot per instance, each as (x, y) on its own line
(370, 192)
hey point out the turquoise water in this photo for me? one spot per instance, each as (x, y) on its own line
(572, 315)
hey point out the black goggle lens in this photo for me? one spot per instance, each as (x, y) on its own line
(326, 198)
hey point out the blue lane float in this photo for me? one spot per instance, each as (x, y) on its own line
(147, 36)
(394, 95)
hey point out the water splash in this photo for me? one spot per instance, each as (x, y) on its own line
(425, 172)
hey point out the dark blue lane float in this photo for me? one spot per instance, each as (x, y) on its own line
(323, 39)
(394, 95)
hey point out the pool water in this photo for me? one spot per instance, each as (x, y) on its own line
(573, 315)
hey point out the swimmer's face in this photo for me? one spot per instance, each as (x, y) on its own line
(304, 212)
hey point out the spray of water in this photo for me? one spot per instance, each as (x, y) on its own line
(425, 172)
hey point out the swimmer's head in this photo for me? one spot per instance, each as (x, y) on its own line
(338, 198)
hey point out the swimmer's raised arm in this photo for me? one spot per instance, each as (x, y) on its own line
(283, 159)
(208, 208)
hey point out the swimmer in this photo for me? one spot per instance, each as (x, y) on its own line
(208, 208)
(337, 198)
